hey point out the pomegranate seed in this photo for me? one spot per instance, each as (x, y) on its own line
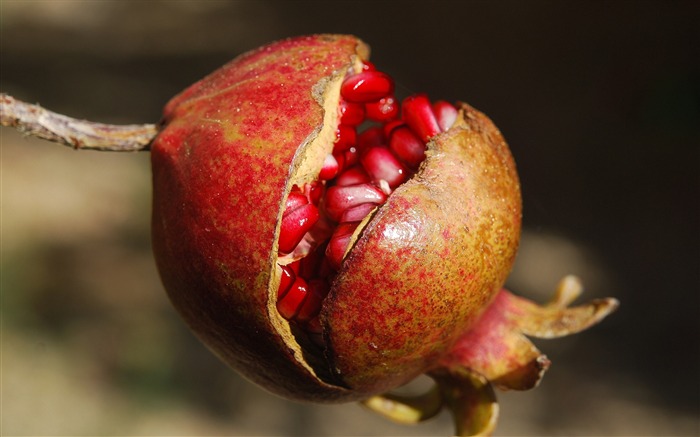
(351, 156)
(445, 113)
(286, 280)
(367, 86)
(340, 198)
(317, 291)
(295, 224)
(338, 243)
(353, 176)
(407, 147)
(351, 114)
(391, 126)
(381, 164)
(345, 137)
(418, 114)
(357, 213)
(330, 168)
(372, 137)
(347, 159)
(314, 191)
(382, 110)
(295, 199)
(289, 303)
(340, 159)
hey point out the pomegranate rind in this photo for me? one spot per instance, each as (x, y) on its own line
(222, 166)
(429, 262)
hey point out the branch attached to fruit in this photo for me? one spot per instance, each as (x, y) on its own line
(36, 121)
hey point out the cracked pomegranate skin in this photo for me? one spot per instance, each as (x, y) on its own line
(420, 273)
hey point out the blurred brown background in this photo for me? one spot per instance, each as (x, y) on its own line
(600, 102)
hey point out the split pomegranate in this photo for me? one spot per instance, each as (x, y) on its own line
(331, 241)
(325, 237)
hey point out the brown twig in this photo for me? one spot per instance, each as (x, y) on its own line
(78, 134)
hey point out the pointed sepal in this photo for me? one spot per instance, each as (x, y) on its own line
(497, 346)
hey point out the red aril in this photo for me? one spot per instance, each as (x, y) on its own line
(290, 300)
(339, 242)
(418, 114)
(297, 220)
(383, 110)
(373, 136)
(341, 197)
(286, 280)
(367, 86)
(352, 176)
(345, 138)
(351, 114)
(407, 146)
(357, 213)
(382, 165)
(317, 291)
(330, 167)
(445, 114)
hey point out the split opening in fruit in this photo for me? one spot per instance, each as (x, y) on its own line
(379, 144)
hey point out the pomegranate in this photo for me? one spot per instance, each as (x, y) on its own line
(332, 242)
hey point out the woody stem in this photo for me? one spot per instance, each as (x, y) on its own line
(80, 134)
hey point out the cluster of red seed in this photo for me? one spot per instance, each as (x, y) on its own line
(357, 177)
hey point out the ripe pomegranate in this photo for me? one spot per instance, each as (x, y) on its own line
(329, 241)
